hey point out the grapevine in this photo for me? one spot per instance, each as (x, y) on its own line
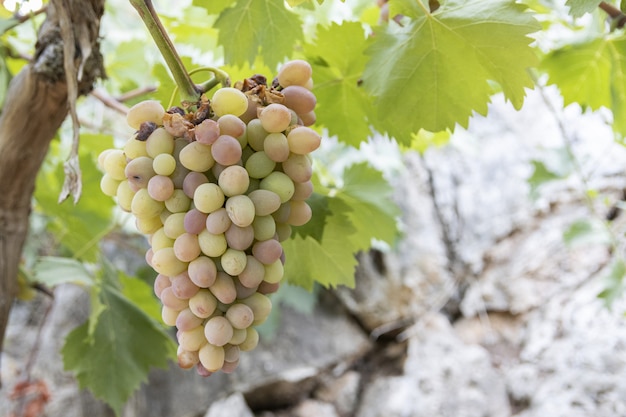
(216, 186)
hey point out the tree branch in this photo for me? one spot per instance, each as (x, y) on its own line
(614, 13)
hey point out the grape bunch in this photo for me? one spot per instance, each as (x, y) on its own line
(216, 189)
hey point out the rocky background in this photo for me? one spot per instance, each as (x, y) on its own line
(481, 310)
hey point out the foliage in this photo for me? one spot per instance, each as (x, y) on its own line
(413, 78)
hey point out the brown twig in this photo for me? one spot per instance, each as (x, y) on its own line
(614, 13)
(109, 101)
(137, 92)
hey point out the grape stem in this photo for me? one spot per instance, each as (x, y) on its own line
(189, 92)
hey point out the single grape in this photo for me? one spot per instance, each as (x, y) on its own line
(169, 315)
(114, 164)
(302, 190)
(234, 180)
(226, 150)
(148, 225)
(197, 157)
(233, 261)
(161, 282)
(264, 227)
(253, 273)
(261, 306)
(283, 230)
(224, 288)
(186, 320)
(296, 72)
(240, 316)
(275, 118)
(169, 299)
(218, 331)
(231, 125)
(299, 99)
(187, 359)
(212, 245)
(240, 209)
(208, 197)
(160, 187)
(164, 262)
(229, 100)
(144, 206)
(303, 140)
(218, 222)
(134, 148)
(192, 340)
(138, 172)
(192, 181)
(308, 119)
(274, 272)
(231, 353)
(252, 340)
(239, 238)
(194, 221)
(230, 367)
(276, 147)
(265, 202)
(280, 184)
(299, 214)
(202, 271)
(159, 142)
(211, 356)
(267, 288)
(207, 132)
(267, 251)
(125, 195)
(298, 168)
(164, 164)
(178, 202)
(282, 214)
(174, 225)
(159, 240)
(203, 304)
(109, 185)
(259, 165)
(256, 134)
(145, 111)
(186, 247)
(242, 290)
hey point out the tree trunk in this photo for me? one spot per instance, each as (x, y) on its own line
(36, 105)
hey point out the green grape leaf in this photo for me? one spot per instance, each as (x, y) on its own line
(614, 282)
(578, 8)
(79, 227)
(115, 359)
(591, 73)
(369, 197)
(141, 295)
(423, 139)
(351, 216)
(343, 105)
(253, 26)
(587, 232)
(53, 270)
(213, 6)
(436, 69)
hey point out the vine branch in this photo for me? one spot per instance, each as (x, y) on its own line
(189, 92)
(614, 13)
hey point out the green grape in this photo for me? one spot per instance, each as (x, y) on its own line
(256, 134)
(233, 261)
(174, 225)
(224, 288)
(145, 206)
(261, 306)
(197, 157)
(276, 147)
(211, 357)
(275, 118)
(134, 148)
(259, 165)
(164, 261)
(178, 202)
(240, 316)
(202, 271)
(252, 340)
(159, 142)
(234, 180)
(303, 140)
(280, 184)
(253, 273)
(109, 185)
(295, 72)
(231, 352)
(101, 157)
(240, 209)
(218, 331)
(208, 197)
(159, 240)
(264, 227)
(145, 111)
(274, 272)
(265, 202)
(298, 168)
(229, 100)
(114, 164)
(239, 335)
(283, 230)
(148, 225)
(186, 247)
(212, 245)
(192, 340)
(138, 172)
(203, 304)
(164, 164)
(169, 315)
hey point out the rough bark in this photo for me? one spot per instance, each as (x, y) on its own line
(36, 105)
